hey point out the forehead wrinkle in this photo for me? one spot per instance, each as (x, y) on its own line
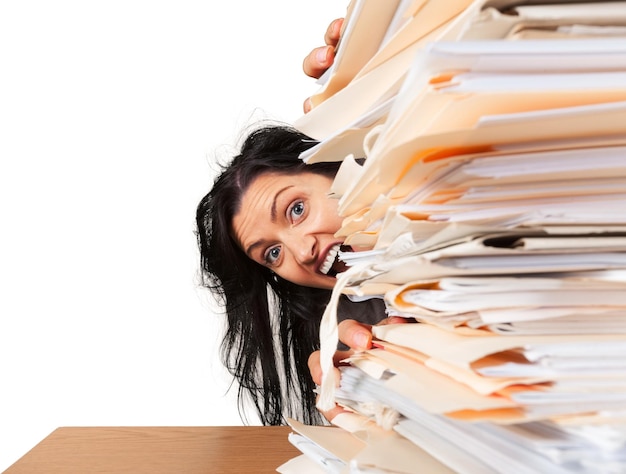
(247, 223)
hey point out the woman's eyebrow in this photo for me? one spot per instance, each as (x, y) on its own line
(251, 247)
(273, 216)
(273, 212)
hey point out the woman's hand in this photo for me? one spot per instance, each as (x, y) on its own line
(321, 58)
(357, 336)
(316, 374)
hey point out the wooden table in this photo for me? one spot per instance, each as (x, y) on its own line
(184, 450)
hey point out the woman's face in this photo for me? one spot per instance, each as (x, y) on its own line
(287, 223)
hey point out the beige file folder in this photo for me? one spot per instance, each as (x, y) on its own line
(368, 446)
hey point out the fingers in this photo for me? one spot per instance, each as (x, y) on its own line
(315, 367)
(333, 32)
(320, 59)
(307, 106)
(314, 65)
(395, 320)
(356, 335)
(333, 412)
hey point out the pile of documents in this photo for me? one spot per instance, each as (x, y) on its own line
(491, 209)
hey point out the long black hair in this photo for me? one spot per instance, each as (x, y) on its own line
(272, 324)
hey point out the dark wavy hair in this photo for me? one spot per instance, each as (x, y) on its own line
(272, 324)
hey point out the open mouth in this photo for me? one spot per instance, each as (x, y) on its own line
(333, 264)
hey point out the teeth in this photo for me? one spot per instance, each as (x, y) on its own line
(330, 259)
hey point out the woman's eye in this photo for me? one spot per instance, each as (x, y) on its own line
(298, 209)
(272, 255)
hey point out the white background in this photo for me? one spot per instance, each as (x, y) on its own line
(112, 114)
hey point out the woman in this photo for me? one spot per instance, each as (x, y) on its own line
(268, 251)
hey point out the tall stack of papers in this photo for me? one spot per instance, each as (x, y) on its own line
(491, 208)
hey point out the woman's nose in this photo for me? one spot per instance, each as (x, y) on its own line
(303, 248)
